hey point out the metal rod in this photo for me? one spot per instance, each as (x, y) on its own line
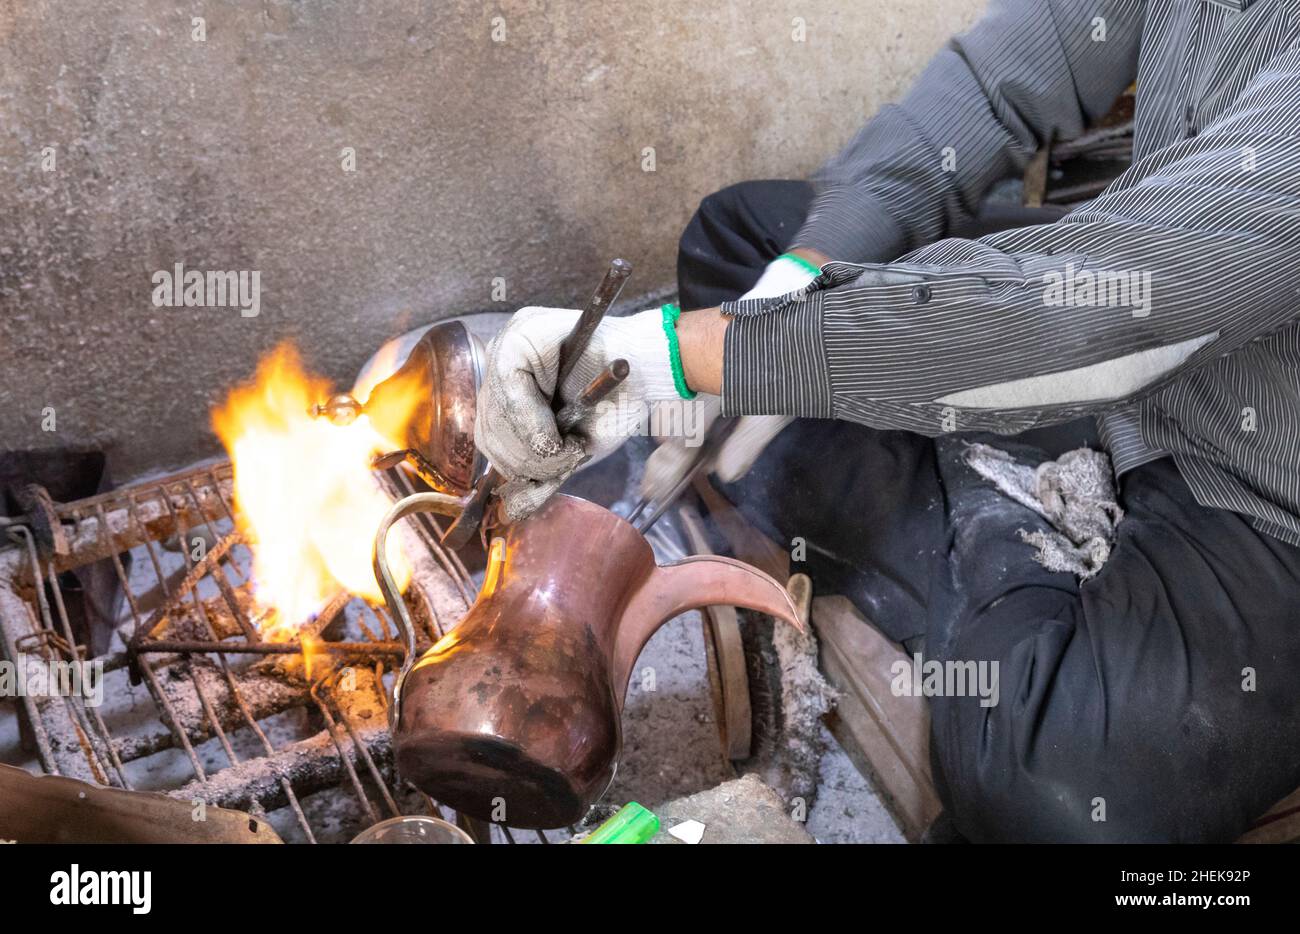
(183, 646)
(606, 381)
(77, 510)
(605, 295)
(363, 753)
(219, 577)
(571, 349)
(210, 712)
(101, 727)
(702, 463)
(89, 753)
(344, 759)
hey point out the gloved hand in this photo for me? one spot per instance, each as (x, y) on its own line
(671, 461)
(515, 425)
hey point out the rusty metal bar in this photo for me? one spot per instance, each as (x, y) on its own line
(252, 723)
(364, 754)
(369, 633)
(51, 758)
(213, 719)
(106, 738)
(87, 545)
(286, 787)
(77, 510)
(218, 576)
(344, 759)
(160, 696)
(186, 646)
(199, 609)
(195, 572)
(385, 621)
(75, 717)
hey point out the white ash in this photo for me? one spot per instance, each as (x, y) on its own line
(791, 766)
(1075, 493)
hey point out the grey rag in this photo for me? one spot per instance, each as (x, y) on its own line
(1074, 493)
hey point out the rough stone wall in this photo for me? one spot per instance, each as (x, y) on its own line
(475, 160)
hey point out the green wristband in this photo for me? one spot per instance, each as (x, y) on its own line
(799, 260)
(671, 314)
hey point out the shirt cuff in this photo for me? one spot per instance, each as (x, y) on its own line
(849, 225)
(775, 363)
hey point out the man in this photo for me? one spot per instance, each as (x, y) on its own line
(1158, 699)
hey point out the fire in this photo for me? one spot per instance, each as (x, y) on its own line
(306, 497)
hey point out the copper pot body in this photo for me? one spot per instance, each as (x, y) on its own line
(443, 371)
(515, 715)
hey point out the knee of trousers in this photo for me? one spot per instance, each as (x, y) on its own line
(1054, 760)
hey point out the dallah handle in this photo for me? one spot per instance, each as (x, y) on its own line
(439, 503)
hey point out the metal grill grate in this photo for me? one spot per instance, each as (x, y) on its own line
(196, 703)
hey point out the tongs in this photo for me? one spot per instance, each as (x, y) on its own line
(647, 511)
(571, 349)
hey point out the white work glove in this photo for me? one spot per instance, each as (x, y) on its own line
(515, 426)
(671, 461)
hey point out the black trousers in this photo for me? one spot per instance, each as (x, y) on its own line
(1159, 701)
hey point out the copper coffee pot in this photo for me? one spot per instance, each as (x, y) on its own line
(514, 715)
(443, 371)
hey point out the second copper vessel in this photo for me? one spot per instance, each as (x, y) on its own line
(514, 716)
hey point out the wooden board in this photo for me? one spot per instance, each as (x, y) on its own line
(887, 737)
(1280, 825)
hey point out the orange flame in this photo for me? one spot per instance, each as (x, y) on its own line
(307, 499)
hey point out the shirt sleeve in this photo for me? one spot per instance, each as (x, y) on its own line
(1188, 256)
(1028, 71)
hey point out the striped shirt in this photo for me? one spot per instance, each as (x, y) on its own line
(1166, 307)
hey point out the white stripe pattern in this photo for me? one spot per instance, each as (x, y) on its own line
(1178, 327)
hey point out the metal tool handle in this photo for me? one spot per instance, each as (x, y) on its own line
(571, 349)
(598, 389)
(605, 295)
(467, 523)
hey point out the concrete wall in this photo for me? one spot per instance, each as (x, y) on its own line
(475, 159)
